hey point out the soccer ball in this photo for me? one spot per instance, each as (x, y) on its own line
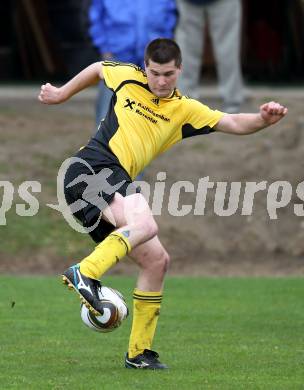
(115, 311)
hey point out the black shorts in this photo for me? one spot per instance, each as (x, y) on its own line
(94, 183)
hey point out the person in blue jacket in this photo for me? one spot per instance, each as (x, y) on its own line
(121, 32)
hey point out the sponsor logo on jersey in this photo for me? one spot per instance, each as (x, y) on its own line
(144, 110)
(129, 104)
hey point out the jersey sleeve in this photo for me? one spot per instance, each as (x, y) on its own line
(115, 73)
(200, 119)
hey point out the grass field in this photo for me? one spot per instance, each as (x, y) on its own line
(214, 333)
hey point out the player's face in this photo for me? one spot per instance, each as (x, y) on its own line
(162, 78)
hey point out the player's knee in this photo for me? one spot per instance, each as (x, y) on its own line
(136, 207)
(152, 227)
(149, 227)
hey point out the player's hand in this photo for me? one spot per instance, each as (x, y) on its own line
(272, 112)
(50, 94)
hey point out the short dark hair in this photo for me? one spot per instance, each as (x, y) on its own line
(163, 50)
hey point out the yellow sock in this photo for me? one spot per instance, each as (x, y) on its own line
(105, 255)
(146, 307)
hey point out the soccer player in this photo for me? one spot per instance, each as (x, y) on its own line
(147, 116)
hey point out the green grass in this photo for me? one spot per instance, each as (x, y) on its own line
(214, 333)
(46, 230)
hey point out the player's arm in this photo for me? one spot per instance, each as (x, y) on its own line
(49, 94)
(241, 124)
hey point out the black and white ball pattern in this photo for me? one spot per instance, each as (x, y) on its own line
(115, 311)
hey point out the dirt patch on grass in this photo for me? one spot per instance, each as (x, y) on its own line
(35, 139)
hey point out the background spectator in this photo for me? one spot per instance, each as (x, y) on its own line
(121, 33)
(224, 23)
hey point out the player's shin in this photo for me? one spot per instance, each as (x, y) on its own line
(146, 309)
(105, 255)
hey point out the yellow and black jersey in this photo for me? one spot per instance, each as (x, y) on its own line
(139, 125)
